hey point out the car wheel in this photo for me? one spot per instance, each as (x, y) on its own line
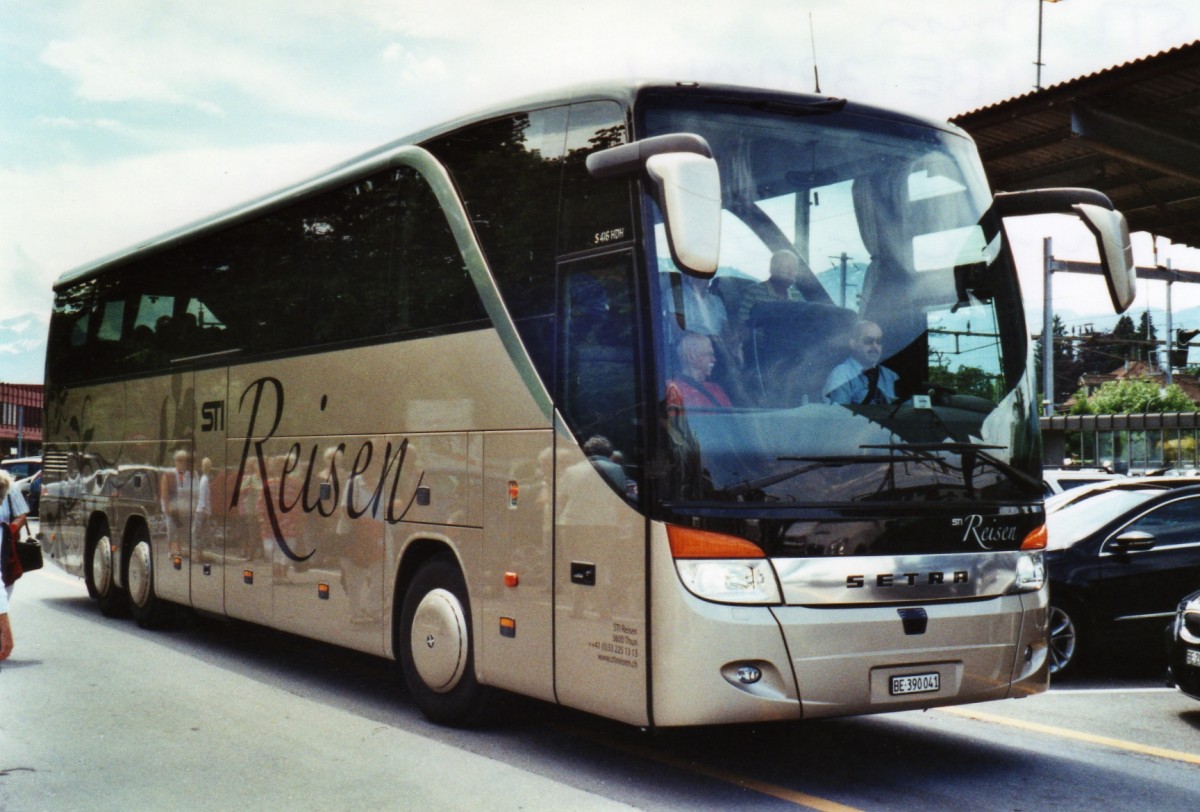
(148, 609)
(1066, 640)
(100, 575)
(436, 647)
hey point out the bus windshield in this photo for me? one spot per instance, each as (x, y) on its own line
(862, 339)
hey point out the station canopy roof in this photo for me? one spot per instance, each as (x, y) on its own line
(1131, 131)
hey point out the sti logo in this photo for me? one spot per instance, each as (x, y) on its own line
(213, 414)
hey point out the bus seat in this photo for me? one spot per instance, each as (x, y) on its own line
(792, 346)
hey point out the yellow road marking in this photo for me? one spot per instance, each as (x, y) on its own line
(1062, 732)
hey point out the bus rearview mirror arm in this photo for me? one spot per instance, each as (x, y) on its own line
(1108, 227)
(686, 183)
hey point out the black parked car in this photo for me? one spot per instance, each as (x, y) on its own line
(1183, 647)
(1119, 561)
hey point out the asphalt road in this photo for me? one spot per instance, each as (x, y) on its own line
(99, 714)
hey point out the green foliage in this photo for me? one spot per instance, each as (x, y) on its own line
(965, 381)
(1133, 397)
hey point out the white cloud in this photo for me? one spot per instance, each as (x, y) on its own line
(105, 71)
(70, 214)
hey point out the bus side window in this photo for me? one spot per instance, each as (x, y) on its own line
(432, 289)
(594, 213)
(598, 381)
(69, 330)
(509, 173)
(344, 238)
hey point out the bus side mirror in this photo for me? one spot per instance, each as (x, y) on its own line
(1116, 252)
(687, 186)
(689, 190)
(1107, 225)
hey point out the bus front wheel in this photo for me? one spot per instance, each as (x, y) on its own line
(436, 647)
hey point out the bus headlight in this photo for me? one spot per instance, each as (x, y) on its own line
(1031, 572)
(721, 568)
(730, 580)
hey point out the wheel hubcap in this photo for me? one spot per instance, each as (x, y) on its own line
(140, 574)
(439, 640)
(102, 566)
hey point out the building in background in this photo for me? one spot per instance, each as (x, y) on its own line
(20, 419)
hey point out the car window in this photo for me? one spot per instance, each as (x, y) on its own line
(1174, 523)
(1080, 518)
(21, 470)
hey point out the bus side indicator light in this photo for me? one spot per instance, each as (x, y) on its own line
(514, 494)
(1036, 540)
(323, 591)
(508, 627)
(177, 562)
(511, 579)
(247, 576)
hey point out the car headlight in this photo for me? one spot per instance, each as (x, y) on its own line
(1189, 619)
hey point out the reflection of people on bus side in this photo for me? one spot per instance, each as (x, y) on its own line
(780, 286)
(360, 532)
(692, 386)
(860, 379)
(175, 496)
(201, 523)
(600, 451)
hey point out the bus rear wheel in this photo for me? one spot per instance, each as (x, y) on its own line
(148, 610)
(100, 576)
(436, 647)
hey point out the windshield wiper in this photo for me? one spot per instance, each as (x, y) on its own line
(971, 453)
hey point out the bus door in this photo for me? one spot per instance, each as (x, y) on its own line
(210, 475)
(600, 544)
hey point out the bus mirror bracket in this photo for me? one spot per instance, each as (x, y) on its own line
(684, 178)
(1108, 227)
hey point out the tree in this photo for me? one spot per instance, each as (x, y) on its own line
(1147, 351)
(1134, 397)
(1124, 338)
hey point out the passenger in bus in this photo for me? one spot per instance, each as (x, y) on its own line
(780, 286)
(693, 387)
(600, 451)
(860, 379)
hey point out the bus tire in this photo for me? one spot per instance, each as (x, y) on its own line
(436, 648)
(100, 572)
(148, 609)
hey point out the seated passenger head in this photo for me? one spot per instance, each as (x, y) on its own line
(785, 267)
(866, 343)
(696, 356)
(598, 446)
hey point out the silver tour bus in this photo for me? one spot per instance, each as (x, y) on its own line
(678, 404)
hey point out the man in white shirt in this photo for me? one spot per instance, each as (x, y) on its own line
(860, 379)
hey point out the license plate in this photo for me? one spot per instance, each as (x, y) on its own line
(916, 684)
(1192, 657)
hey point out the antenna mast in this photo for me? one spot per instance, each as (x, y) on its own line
(812, 38)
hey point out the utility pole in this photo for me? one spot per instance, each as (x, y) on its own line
(1038, 63)
(1047, 329)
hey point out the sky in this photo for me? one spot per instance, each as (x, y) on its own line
(121, 119)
